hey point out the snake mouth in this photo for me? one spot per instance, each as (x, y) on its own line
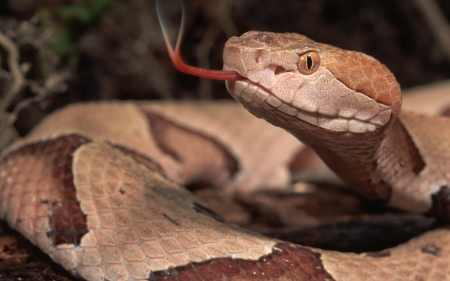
(250, 93)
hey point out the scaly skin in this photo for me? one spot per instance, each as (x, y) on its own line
(385, 157)
(99, 187)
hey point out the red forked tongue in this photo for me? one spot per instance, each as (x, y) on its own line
(179, 63)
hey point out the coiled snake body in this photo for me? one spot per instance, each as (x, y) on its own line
(98, 187)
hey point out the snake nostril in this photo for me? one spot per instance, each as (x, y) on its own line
(279, 70)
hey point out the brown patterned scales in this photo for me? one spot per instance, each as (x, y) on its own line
(99, 187)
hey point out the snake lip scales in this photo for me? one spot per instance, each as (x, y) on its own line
(343, 120)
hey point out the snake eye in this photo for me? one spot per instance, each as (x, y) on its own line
(308, 63)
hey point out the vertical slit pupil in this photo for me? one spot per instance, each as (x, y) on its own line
(309, 62)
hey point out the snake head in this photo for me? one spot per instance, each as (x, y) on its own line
(315, 86)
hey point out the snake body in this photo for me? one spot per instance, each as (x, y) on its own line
(99, 187)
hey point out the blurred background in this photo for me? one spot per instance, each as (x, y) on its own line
(55, 52)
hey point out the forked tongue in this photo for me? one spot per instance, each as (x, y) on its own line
(175, 54)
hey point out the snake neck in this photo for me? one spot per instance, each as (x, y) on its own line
(355, 162)
(372, 165)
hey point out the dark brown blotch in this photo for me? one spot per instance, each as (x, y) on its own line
(50, 162)
(68, 221)
(286, 262)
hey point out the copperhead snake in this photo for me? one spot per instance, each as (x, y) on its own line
(99, 187)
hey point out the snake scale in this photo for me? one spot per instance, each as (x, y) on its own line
(99, 187)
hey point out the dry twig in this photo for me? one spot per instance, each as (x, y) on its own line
(17, 76)
(13, 35)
